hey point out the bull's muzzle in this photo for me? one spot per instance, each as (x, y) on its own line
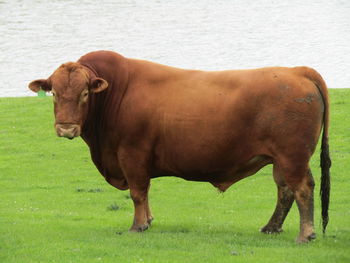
(68, 130)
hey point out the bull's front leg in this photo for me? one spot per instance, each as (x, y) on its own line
(134, 165)
(142, 213)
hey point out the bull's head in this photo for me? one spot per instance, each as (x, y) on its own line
(71, 85)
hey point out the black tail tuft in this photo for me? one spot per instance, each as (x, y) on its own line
(325, 182)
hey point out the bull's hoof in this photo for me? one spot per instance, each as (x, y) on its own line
(139, 228)
(305, 239)
(271, 230)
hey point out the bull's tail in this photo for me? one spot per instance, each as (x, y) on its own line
(325, 158)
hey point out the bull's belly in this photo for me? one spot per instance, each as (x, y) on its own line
(221, 175)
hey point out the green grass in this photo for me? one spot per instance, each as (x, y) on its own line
(55, 207)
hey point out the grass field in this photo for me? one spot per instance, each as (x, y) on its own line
(55, 207)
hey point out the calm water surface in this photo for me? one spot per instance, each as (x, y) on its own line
(37, 36)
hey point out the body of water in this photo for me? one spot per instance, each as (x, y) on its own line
(37, 36)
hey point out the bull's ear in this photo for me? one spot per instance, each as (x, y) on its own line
(98, 85)
(39, 84)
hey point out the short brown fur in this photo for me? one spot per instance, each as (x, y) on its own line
(143, 120)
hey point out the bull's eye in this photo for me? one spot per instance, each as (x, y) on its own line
(53, 95)
(84, 95)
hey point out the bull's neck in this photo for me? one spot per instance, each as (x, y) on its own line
(104, 106)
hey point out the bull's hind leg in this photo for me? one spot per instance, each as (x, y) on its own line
(285, 198)
(299, 180)
(305, 200)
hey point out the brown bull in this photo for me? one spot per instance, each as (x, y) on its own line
(143, 120)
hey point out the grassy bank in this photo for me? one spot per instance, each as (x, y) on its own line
(55, 207)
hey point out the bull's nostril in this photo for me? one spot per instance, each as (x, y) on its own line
(68, 130)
